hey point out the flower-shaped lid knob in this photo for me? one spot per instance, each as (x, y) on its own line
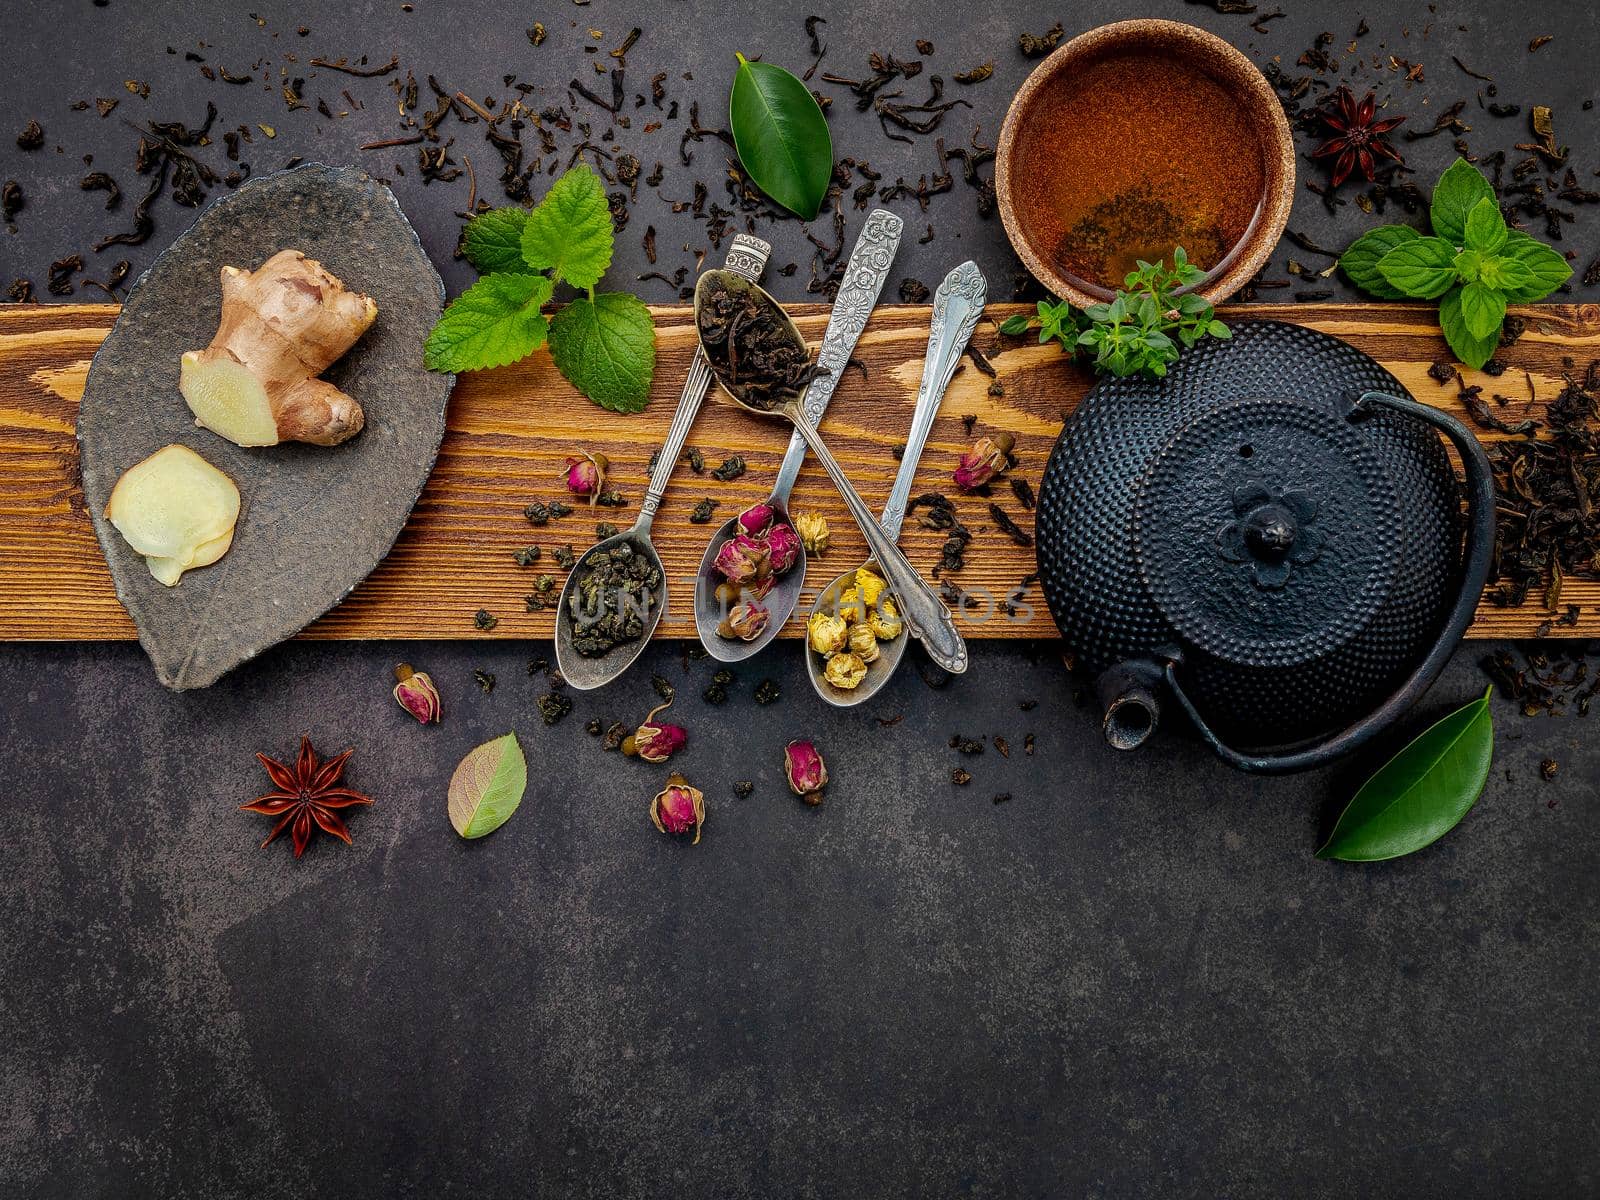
(1267, 532)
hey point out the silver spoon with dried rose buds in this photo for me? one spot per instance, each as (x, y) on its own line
(602, 629)
(755, 565)
(853, 637)
(760, 361)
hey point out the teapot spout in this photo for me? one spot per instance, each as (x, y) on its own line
(1127, 694)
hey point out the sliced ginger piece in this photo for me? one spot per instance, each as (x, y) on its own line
(282, 326)
(177, 510)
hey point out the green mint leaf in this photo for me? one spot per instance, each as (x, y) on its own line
(1422, 268)
(493, 241)
(1505, 274)
(1548, 268)
(570, 231)
(1469, 265)
(1360, 261)
(1486, 227)
(1218, 330)
(494, 322)
(1421, 793)
(1454, 197)
(1483, 310)
(1472, 350)
(1015, 324)
(607, 349)
(781, 136)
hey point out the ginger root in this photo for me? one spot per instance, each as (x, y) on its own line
(177, 510)
(282, 325)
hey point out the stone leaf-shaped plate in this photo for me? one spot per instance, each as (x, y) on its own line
(314, 520)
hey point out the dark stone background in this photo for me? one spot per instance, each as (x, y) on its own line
(1132, 979)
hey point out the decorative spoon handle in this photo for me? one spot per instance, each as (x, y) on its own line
(957, 305)
(747, 256)
(925, 615)
(858, 294)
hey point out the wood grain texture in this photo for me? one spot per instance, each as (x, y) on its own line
(510, 431)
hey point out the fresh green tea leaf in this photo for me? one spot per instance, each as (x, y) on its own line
(607, 349)
(570, 231)
(1548, 269)
(494, 322)
(1472, 350)
(1421, 793)
(493, 240)
(1015, 324)
(1422, 268)
(1457, 193)
(1486, 227)
(1482, 310)
(487, 787)
(781, 136)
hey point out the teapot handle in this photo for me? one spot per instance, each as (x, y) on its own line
(1479, 551)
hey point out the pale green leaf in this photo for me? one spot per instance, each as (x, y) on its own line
(1421, 793)
(1455, 196)
(570, 231)
(606, 349)
(487, 787)
(493, 240)
(494, 322)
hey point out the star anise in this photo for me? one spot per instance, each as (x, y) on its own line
(1357, 140)
(306, 797)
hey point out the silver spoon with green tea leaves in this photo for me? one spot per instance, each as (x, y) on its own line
(760, 360)
(957, 306)
(615, 594)
(714, 596)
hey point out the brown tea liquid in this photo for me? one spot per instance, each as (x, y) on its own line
(1140, 155)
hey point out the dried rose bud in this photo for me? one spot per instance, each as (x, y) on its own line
(987, 458)
(826, 633)
(813, 531)
(755, 520)
(742, 559)
(805, 771)
(586, 475)
(845, 670)
(863, 643)
(656, 741)
(678, 808)
(416, 694)
(745, 621)
(783, 547)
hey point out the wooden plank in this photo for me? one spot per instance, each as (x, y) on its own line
(510, 430)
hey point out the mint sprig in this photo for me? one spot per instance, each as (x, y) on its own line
(1141, 329)
(1474, 264)
(603, 344)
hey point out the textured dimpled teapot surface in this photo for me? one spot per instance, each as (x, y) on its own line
(1155, 485)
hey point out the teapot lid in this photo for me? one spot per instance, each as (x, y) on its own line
(1267, 531)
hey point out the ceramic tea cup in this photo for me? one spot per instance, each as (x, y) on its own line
(1135, 138)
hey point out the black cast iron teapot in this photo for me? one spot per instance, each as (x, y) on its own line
(1273, 535)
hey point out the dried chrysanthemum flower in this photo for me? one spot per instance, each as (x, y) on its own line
(868, 586)
(656, 741)
(586, 475)
(987, 458)
(826, 633)
(813, 531)
(742, 558)
(804, 769)
(416, 694)
(783, 547)
(863, 643)
(745, 621)
(845, 670)
(884, 621)
(755, 520)
(849, 606)
(678, 808)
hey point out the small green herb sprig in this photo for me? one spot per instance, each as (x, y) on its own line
(1473, 264)
(604, 343)
(1141, 329)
